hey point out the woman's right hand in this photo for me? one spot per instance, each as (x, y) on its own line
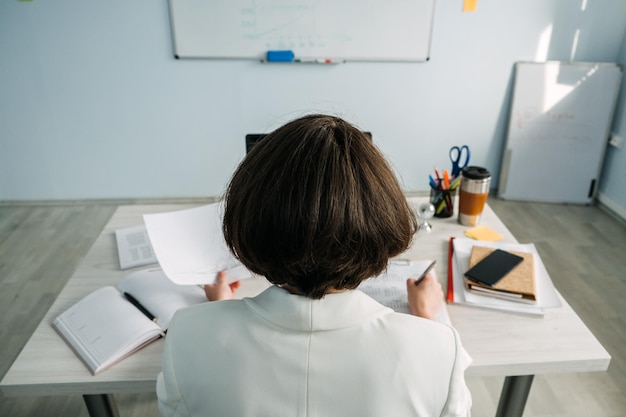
(221, 290)
(425, 298)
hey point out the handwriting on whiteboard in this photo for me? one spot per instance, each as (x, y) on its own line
(525, 117)
(534, 124)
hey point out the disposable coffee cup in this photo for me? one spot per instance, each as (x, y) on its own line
(473, 194)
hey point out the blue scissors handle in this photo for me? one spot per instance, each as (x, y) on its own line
(460, 157)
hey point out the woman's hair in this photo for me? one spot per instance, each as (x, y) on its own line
(315, 205)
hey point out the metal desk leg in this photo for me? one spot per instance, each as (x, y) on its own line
(514, 395)
(101, 405)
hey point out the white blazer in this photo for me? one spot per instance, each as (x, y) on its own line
(280, 354)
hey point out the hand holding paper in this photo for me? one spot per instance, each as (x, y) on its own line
(190, 246)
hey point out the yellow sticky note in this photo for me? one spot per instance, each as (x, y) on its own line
(469, 5)
(483, 233)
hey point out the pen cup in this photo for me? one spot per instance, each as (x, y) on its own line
(443, 201)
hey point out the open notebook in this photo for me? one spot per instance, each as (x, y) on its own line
(112, 322)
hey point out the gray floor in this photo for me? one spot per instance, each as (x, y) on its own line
(583, 249)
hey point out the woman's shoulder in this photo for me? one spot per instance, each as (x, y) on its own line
(409, 327)
(208, 312)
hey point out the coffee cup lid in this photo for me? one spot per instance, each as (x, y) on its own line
(476, 173)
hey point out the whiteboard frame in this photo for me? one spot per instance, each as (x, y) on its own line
(547, 168)
(244, 30)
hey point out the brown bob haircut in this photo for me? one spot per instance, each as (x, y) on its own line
(316, 206)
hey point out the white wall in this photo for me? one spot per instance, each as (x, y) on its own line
(612, 190)
(93, 104)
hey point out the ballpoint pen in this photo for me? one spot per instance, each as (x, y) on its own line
(426, 271)
(139, 307)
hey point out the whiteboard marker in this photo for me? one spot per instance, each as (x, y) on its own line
(280, 56)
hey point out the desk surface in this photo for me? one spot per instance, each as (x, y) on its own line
(501, 344)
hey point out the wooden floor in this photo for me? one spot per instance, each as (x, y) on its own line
(584, 250)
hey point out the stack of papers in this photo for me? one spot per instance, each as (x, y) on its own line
(133, 247)
(546, 295)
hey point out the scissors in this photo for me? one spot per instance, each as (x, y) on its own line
(456, 155)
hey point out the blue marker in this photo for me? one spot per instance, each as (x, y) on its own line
(280, 56)
(432, 182)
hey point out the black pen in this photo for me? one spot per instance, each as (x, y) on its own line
(141, 308)
(426, 271)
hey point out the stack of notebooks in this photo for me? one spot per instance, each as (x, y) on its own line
(525, 287)
(516, 284)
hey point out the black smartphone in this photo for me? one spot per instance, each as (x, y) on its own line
(493, 267)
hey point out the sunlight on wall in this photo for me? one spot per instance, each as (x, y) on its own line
(583, 6)
(544, 44)
(574, 45)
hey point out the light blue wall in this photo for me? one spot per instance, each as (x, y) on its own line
(612, 190)
(93, 104)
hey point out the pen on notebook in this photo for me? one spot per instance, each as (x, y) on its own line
(139, 307)
(426, 271)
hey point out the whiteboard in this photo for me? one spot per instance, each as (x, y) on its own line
(558, 129)
(339, 30)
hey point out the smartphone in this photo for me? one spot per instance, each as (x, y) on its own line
(493, 267)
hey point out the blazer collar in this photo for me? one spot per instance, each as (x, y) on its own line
(334, 311)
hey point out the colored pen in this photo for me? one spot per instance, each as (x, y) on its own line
(446, 180)
(439, 182)
(426, 271)
(450, 290)
(432, 182)
(139, 307)
(455, 183)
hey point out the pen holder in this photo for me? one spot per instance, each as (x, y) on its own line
(443, 200)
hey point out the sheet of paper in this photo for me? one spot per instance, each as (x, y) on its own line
(190, 246)
(133, 247)
(389, 288)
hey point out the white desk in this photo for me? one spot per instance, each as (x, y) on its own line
(501, 344)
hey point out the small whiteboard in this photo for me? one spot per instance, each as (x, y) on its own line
(340, 30)
(559, 126)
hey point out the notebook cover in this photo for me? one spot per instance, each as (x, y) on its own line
(521, 280)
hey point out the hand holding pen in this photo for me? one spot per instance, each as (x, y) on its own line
(425, 294)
